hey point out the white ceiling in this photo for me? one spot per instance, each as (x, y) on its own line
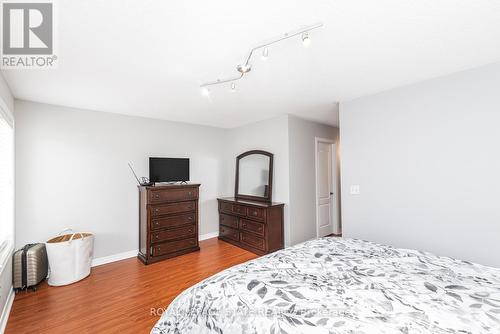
(147, 58)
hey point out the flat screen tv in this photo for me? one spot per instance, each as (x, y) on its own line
(168, 169)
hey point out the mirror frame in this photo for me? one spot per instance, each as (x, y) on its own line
(269, 196)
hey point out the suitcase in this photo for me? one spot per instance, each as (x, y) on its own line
(29, 266)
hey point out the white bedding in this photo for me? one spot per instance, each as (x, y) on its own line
(334, 285)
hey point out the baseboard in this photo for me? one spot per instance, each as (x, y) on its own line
(208, 236)
(133, 253)
(6, 311)
(113, 258)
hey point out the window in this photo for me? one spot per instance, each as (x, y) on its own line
(6, 188)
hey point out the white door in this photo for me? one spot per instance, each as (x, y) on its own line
(325, 185)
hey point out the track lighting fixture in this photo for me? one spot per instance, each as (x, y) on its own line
(306, 40)
(265, 53)
(246, 67)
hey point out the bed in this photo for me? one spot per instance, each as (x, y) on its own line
(335, 285)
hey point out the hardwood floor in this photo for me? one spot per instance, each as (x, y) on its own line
(120, 297)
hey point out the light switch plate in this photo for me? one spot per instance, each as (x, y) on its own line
(354, 189)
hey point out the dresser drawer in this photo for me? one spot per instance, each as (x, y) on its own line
(165, 209)
(175, 233)
(231, 221)
(173, 221)
(229, 233)
(239, 209)
(250, 226)
(173, 195)
(173, 246)
(252, 241)
(226, 207)
(256, 213)
(231, 208)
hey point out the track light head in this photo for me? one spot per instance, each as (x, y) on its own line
(205, 91)
(265, 53)
(244, 68)
(306, 40)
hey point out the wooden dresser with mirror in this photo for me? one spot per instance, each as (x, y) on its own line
(250, 219)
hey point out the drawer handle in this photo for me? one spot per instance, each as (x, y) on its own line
(244, 225)
(157, 196)
(157, 223)
(190, 218)
(190, 193)
(157, 236)
(222, 230)
(157, 210)
(190, 230)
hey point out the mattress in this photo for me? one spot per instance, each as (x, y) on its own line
(335, 285)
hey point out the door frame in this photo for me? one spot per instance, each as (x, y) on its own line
(334, 203)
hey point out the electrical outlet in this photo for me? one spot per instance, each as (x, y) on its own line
(354, 189)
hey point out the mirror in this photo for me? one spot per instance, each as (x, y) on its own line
(254, 172)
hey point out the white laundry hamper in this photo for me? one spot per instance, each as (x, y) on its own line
(70, 257)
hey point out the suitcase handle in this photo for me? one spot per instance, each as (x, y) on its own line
(24, 265)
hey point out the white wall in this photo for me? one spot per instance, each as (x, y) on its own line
(270, 135)
(7, 109)
(72, 171)
(302, 134)
(427, 160)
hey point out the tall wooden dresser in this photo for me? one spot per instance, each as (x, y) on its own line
(168, 221)
(252, 225)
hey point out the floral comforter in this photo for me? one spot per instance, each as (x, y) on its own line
(334, 285)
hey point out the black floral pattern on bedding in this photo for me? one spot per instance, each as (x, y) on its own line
(335, 285)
